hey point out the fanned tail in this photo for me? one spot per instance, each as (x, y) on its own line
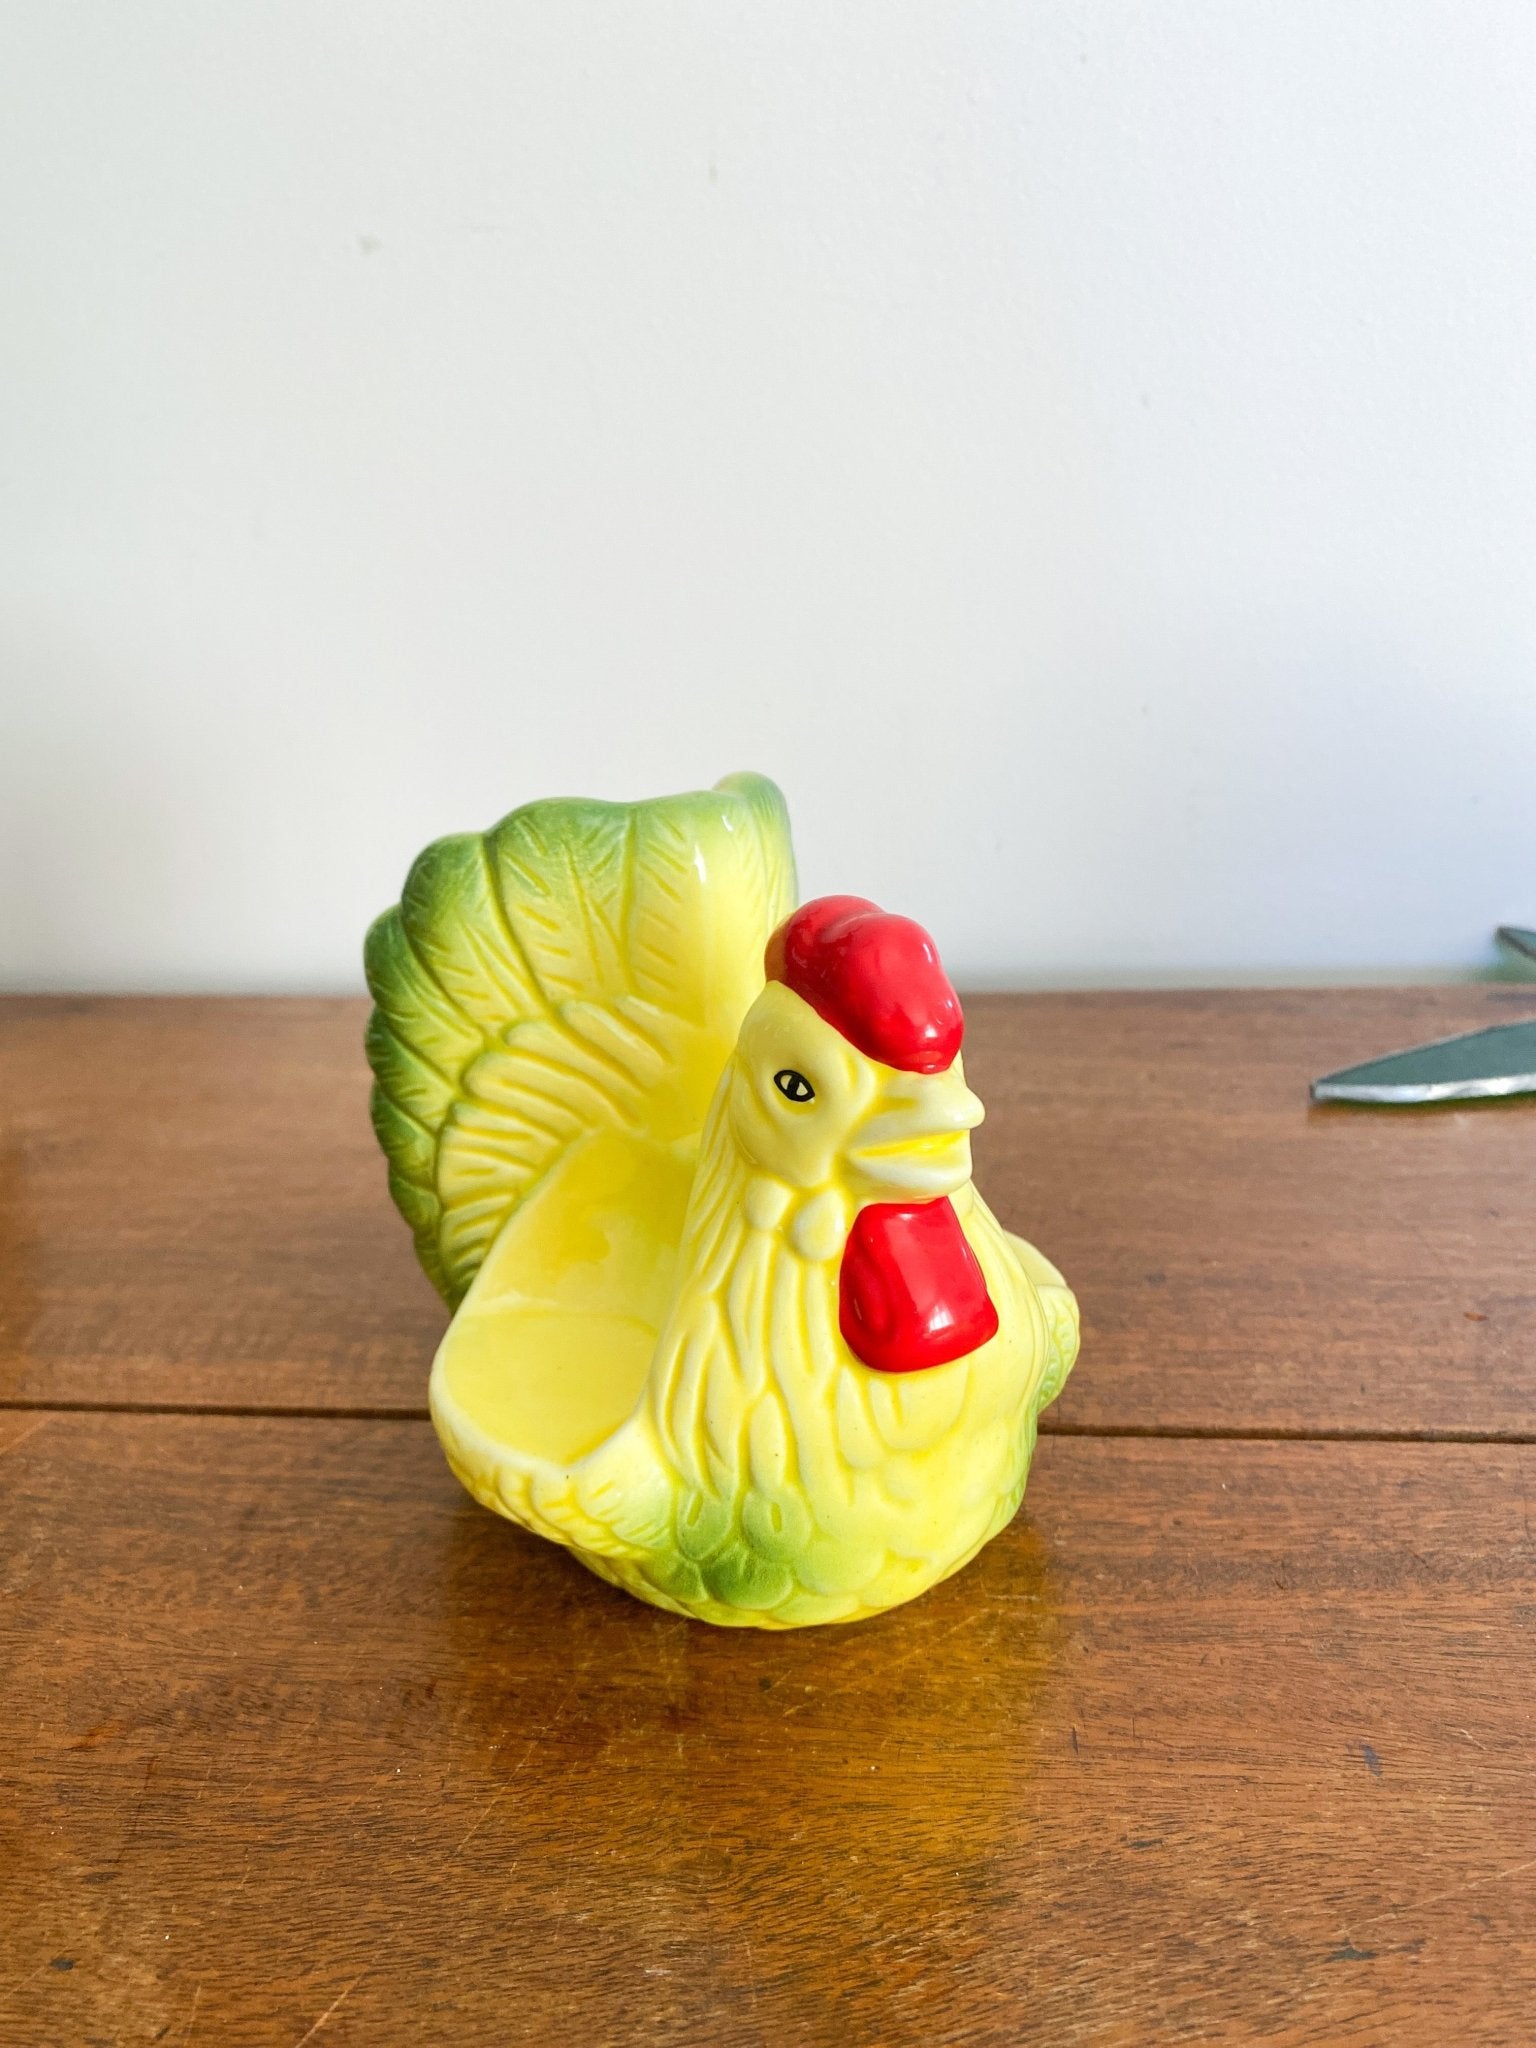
(581, 967)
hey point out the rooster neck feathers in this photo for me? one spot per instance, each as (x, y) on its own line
(757, 1284)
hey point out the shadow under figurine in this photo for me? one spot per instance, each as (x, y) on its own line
(693, 1170)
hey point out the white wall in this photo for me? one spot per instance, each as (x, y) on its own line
(1086, 451)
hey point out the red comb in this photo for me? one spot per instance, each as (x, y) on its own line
(874, 977)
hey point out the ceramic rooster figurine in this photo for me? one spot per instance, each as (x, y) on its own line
(693, 1169)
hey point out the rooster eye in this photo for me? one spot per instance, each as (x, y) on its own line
(794, 1086)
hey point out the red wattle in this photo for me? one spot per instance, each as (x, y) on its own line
(910, 1291)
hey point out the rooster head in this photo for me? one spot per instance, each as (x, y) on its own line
(847, 1071)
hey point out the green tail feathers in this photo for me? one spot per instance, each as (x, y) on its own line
(581, 966)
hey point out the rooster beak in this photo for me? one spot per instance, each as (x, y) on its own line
(918, 1140)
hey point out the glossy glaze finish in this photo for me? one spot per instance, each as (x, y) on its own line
(911, 1294)
(731, 1321)
(877, 978)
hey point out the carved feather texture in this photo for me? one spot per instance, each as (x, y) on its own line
(792, 1473)
(581, 966)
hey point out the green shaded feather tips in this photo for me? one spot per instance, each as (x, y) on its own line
(582, 966)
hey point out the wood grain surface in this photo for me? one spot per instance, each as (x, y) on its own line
(1246, 1260)
(1228, 1739)
(192, 1211)
(1219, 1742)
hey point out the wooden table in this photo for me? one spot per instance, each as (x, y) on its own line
(1229, 1738)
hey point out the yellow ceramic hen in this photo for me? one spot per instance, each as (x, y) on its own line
(731, 1321)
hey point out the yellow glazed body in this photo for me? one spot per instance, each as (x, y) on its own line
(575, 1051)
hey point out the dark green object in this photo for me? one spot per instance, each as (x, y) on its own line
(1498, 1061)
(1519, 939)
